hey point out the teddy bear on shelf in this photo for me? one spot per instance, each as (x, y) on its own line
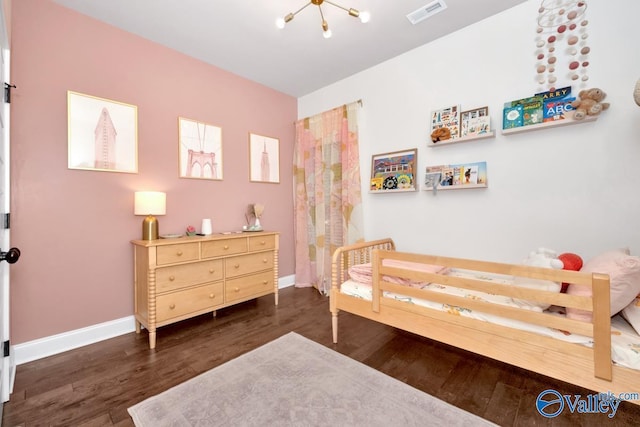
(440, 134)
(589, 103)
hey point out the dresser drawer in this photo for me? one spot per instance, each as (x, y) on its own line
(177, 304)
(178, 276)
(244, 287)
(246, 264)
(216, 248)
(258, 243)
(171, 254)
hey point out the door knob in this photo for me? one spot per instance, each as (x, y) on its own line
(11, 256)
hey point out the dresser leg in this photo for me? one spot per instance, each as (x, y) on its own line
(215, 312)
(138, 327)
(152, 340)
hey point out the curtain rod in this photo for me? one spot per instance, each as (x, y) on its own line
(359, 101)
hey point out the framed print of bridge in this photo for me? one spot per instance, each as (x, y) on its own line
(200, 150)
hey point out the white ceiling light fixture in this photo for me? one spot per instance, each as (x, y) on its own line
(426, 11)
(326, 32)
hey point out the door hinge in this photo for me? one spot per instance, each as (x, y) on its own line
(6, 221)
(6, 346)
(7, 92)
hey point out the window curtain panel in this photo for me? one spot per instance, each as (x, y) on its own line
(327, 199)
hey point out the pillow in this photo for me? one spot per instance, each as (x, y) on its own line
(632, 314)
(624, 274)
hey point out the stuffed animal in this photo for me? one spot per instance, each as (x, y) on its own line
(571, 262)
(440, 134)
(636, 92)
(589, 103)
(541, 257)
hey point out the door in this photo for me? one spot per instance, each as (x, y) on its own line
(7, 366)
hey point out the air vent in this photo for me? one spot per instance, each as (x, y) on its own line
(426, 11)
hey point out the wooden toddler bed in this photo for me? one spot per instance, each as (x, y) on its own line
(586, 366)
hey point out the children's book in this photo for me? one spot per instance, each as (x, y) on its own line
(475, 122)
(448, 117)
(457, 176)
(556, 109)
(563, 92)
(512, 116)
(532, 111)
(470, 174)
(556, 103)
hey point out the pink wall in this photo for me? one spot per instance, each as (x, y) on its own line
(74, 227)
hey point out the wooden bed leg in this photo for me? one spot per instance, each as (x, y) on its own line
(334, 326)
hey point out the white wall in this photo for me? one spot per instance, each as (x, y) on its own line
(572, 189)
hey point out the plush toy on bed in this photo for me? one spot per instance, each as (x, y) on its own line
(589, 103)
(541, 257)
(571, 262)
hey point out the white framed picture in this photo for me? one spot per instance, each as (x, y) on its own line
(264, 159)
(200, 150)
(102, 134)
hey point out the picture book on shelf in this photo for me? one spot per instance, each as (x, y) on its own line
(475, 122)
(458, 176)
(531, 110)
(556, 103)
(448, 117)
(512, 116)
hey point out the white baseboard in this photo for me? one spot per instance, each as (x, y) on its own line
(59, 343)
(285, 282)
(48, 346)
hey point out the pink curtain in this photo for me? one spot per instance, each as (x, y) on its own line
(327, 200)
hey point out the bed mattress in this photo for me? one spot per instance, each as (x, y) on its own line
(625, 343)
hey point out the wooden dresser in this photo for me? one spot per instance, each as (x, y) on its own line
(176, 279)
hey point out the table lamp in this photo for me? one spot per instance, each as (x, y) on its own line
(150, 203)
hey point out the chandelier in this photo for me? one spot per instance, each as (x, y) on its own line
(326, 32)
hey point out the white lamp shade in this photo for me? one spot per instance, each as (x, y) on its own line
(150, 203)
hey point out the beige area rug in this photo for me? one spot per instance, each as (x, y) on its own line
(293, 381)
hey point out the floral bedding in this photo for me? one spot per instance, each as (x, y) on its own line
(625, 341)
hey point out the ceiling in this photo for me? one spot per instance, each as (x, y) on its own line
(240, 36)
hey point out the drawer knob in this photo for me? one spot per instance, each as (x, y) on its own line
(172, 278)
(262, 242)
(212, 296)
(179, 253)
(226, 247)
(236, 289)
(172, 306)
(237, 266)
(265, 260)
(264, 282)
(211, 270)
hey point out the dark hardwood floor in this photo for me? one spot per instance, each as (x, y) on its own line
(94, 385)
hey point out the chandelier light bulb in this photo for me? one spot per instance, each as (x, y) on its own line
(326, 32)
